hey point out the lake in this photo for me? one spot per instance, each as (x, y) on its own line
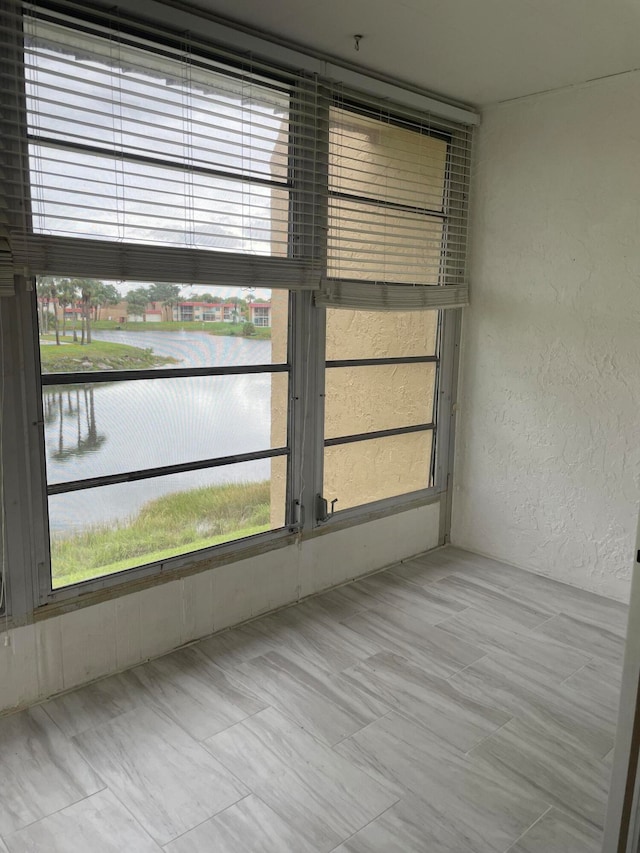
(100, 429)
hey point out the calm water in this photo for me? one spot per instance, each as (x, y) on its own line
(94, 430)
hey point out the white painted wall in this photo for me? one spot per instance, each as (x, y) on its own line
(66, 651)
(549, 430)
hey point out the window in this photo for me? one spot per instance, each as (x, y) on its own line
(157, 441)
(381, 378)
(262, 315)
(241, 276)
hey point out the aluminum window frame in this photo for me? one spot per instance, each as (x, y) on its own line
(48, 593)
(446, 358)
(441, 402)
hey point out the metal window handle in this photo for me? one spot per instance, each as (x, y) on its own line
(322, 508)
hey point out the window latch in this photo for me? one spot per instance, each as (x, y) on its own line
(323, 513)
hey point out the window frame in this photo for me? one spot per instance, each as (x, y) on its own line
(306, 367)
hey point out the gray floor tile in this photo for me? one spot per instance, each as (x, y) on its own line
(546, 655)
(556, 832)
(390, 629)
(320, 794)
(230, 648)
(327, 644)
(95, 704)
(422, 569)
(196, 694)
(546, 593)
(488, 811)
(549, 767)
(99, 824)
(249, 825)
(339, 604)
(434, 702)
(506, 682)
(422, 602)
(452, 704)
(408, 827)
(40, 770)
(598, 682)
(481, 595)
(169, 782)
(456, 561)
(326, 704)
(588, 638)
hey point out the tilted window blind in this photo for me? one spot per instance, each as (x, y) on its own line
(154, 158)
(397, 196)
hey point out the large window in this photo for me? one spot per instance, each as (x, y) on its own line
(242, 278)
(158, 433)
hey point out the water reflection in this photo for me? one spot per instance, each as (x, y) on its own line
(72, 404)
(114, 427)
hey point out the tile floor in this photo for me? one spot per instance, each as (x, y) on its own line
(451, 704)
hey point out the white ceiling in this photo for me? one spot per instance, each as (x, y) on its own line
(476, 51)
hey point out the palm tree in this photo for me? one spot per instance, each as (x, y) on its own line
(67, 295)
(46, 288)
(53, 292)
(165, 293)
(87, 287)
(43, 284)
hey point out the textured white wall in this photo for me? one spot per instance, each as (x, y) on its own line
(65, 651)
(549, 439)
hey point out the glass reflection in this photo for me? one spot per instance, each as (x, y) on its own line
(72, 405)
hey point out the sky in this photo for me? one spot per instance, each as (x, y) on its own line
(187, 290)
(125, 102)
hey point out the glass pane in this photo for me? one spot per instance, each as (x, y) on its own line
(367, 471)
(107, 198)
(380, 334)
(378, 159)
(86, 325)
(114, 427)
(372, 243)
(81, 87)
(109, 529)
(366, 399)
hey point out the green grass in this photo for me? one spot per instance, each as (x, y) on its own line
(165, 527)
(227, 329)
(98, 355)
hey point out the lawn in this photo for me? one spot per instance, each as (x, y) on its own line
(164, 527)
(70, 357)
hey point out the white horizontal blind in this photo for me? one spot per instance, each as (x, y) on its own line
(150, 159)
(384, 297)
(397, 199)
(6, 274)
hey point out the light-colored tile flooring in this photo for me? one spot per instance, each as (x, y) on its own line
(451, 704)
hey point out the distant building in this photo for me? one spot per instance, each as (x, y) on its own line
(230, 313)
(260, 313)
(207, 312)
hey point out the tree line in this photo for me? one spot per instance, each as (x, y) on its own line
(91, 295)
(87, 293)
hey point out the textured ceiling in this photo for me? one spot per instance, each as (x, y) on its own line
(477, 51)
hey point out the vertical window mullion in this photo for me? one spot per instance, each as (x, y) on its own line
(449, 343)
(308, 239)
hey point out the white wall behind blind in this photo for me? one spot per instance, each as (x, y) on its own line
(549, 438)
